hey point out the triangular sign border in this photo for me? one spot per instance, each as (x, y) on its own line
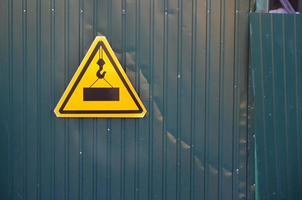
(59, 110)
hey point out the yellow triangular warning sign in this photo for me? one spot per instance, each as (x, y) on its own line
(100, 87)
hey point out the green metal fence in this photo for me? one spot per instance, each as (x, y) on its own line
(188, 62)
(276, 70)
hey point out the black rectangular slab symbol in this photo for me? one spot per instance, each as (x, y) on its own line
(101, 94)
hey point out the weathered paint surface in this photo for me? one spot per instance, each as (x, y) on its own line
(186, 59)
(276, 63)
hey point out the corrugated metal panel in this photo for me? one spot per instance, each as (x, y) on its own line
(188, 62)
(276, 48)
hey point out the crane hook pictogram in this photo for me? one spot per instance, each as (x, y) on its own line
(99, 73)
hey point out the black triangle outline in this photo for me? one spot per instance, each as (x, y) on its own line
(96, 48)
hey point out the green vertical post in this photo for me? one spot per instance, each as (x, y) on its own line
(262, 5)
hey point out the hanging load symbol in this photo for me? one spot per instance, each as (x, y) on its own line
(100, 87)
(101, 93)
